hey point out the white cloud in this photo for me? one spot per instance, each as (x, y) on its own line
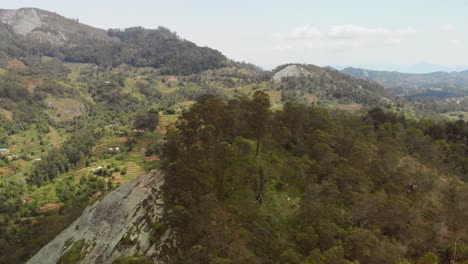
(305, 32)
(300, 33)
(445, 28)
(282, 48)
(341, 37)
(350, 31)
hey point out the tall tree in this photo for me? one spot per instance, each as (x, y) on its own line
(260, 115)
(148, 120)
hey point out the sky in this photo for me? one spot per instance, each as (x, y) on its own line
(386, 35)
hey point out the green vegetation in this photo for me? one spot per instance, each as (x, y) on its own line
(136, 259)
(75, 253)
(309, 185)
(259, 170)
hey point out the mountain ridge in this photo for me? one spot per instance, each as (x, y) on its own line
(49, 27)
(395, 79)
(34, 32)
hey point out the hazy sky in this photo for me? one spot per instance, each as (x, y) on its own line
(366, 33)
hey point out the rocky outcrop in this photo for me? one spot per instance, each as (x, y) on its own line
(290, 71)
(50, 28)
(121, 224)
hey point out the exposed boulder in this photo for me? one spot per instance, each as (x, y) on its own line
(122, 224)
(290, 71)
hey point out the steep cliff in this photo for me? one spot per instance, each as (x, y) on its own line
(122, 225)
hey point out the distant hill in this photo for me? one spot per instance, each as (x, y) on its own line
(301, 80)
(31, 32)
(412, 81)
(427, 67)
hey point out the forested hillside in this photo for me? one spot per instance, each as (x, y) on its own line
(324, 84)
(33, 32)
(74, 132)
(308, 185)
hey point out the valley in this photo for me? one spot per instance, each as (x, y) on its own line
(221, 161)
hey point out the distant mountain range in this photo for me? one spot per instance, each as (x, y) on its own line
(427, 67)
(418, 68)
(393, 79)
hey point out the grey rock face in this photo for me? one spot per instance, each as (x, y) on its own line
(51, 28)
(23, 21)
(118, 225)
(290, 71)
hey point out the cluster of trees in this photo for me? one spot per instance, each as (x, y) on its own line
(73, 153)
(306, 185)
(26, 109)
(148, 120)
(55, 89)
(12, 89)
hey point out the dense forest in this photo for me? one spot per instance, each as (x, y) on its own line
(309, 185)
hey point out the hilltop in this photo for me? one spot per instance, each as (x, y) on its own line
(51, 28)
(327, 85)
(32, 32)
